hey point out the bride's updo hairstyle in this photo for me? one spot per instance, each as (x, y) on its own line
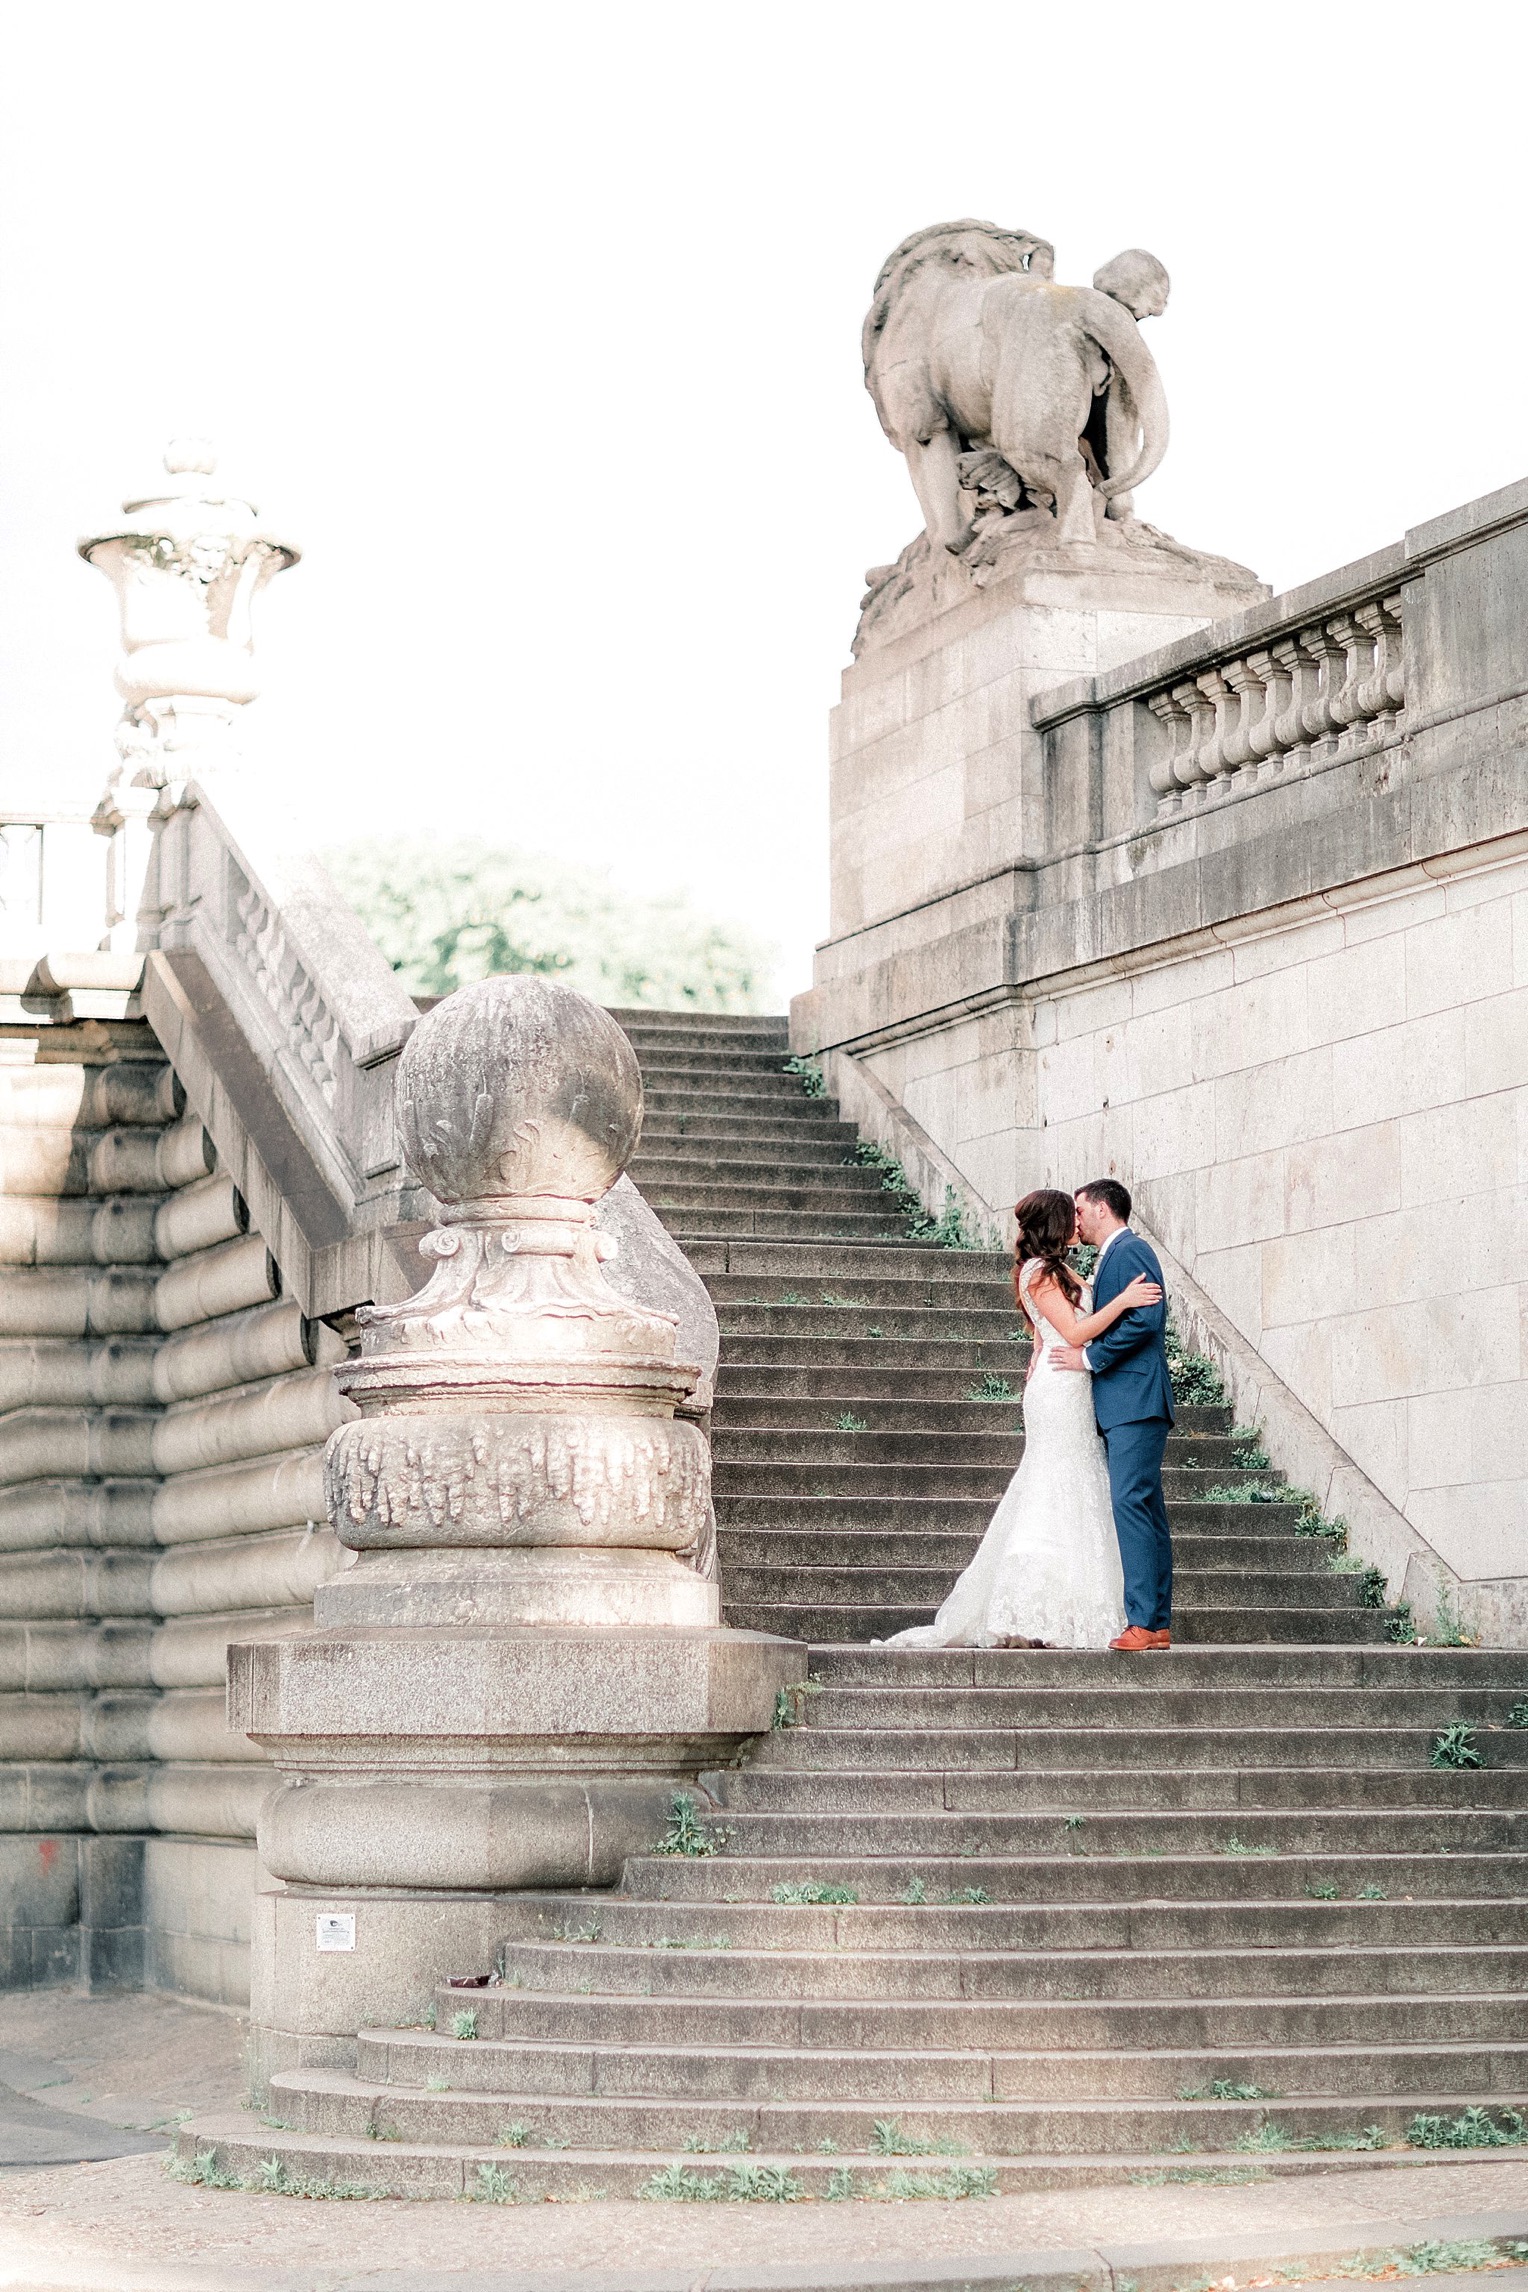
(1047, 1222)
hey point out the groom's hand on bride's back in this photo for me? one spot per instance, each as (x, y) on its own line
(1067, 1357)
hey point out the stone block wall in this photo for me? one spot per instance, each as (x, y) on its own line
(1327, 1122)
(163, 1408)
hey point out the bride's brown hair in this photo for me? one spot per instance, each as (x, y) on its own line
(1047, 1222)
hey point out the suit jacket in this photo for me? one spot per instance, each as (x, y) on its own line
(1129, 1361)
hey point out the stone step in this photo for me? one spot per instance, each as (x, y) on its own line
(940, 1270)
(1137, 1698)
(671, 1090)
(1260, 1833)
(1083, 1791)
(638, 1019)
(912, 1416)
(360, 2109)
(1390, 1666)
(1258, 2016)
(856, 1464)
(953, 1549)
(318, 2163)
(685, 1160)
(1237, 1589)
(977, 1978)
(739, 1061)
(1269, 1625)
(810, 1129)
(679, 1927)
(1334, 1748)
(837, 1225)
(968, 1516)
(800, 1318)
(700, 1201)
(887, 1369)
(1059, 1871)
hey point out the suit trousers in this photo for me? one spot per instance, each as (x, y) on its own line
(1140, 1519)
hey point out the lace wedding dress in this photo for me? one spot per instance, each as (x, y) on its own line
(1048, 1567)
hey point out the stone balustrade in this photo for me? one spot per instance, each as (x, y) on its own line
(1282, 708)
(1281, 693)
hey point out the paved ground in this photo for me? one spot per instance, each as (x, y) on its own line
(107, 2065)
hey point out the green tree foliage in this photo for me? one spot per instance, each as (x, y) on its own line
(446, 914)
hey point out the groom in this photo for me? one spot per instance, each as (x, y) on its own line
(1133, 1405)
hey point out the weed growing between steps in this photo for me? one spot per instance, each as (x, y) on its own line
(887, 2139)
(1268, 2137)
(1197, 1383)
(270, 2178)
(798, 1890)
(744, 2184)
(1456, 1747)
(1222, 2089)
(687, 1835)
(810, 1076)
(992, 1387)
(1200, 2177)
(1473, 2128)
(777, 2184)
(954, 1228)
(790, 1703)
(1434, 2256)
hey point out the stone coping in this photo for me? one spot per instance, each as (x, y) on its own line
(1368, 576)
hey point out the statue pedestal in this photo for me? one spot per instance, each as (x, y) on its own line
(935, 764)
(942, 818)
(428, 1771)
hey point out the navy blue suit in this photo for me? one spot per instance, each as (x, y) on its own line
(1133, 1406)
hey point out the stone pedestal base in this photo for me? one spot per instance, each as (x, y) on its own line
(307, 2004)
(426, 1771)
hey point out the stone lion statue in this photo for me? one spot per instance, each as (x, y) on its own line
(976, 359)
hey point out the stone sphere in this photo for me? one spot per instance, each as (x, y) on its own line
(518, 1086)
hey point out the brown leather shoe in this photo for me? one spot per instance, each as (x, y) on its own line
(1161, 1639)
(1134, 1640)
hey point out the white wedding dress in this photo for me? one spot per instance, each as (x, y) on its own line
(1048, 1567)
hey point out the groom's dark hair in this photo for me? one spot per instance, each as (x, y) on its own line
(1111, 1195)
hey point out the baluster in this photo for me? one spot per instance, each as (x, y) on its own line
(1373, 700)
(1293, 747)
(1213, 759)
(1316, 716)
(1395, 667)
(1165, 779)
(1191, 768)
(1262, 736)
(1345, 706)
(1245, 682)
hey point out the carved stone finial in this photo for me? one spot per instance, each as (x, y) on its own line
(516, 1401)
(515, 1087)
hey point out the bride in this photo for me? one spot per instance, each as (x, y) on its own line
(1047, 1573)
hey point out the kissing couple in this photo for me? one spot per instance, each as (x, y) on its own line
(1079, 1552)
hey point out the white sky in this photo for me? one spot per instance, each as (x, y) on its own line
(538, 328)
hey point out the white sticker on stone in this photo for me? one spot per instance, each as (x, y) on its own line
(336, 1929)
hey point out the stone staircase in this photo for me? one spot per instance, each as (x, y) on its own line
(967, 1920)
(855, 1468)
